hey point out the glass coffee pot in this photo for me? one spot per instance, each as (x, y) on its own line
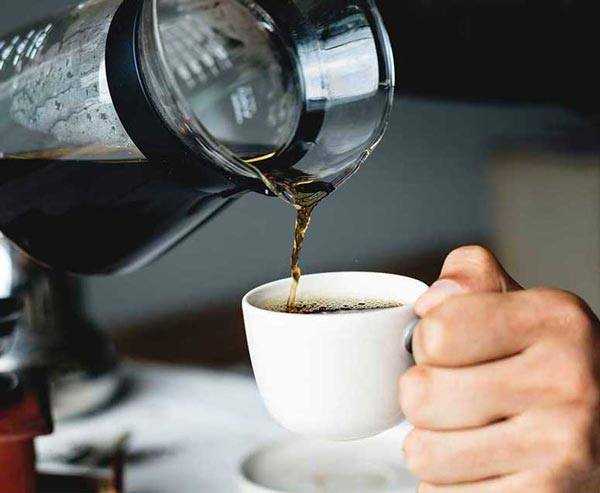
(126, 125)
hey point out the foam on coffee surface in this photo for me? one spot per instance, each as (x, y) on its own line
(325, 306)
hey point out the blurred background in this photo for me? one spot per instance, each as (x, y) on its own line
(520, 178)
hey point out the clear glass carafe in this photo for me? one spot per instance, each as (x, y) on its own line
(126, 125)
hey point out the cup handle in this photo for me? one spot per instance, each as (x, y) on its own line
(409, 333)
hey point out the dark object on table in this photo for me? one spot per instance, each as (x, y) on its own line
(113, 458)
(24, 415)
(55, 335)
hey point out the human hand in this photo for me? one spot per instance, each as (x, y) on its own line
(506, 391)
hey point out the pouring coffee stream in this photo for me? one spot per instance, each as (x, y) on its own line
(302, 224)
(303, 195)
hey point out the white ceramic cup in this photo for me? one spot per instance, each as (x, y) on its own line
(333, 376)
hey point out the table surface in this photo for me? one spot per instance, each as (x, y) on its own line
(190, 428)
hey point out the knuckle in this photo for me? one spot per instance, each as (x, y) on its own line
(570, 311)
(541, 298)
(475, 255)
(576, 383)
(414, 393)
(570, 358)
(574, 313)
(576, 441)
(583, 389)
(541, 481)
(478, 268)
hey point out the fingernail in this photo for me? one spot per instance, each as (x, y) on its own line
(437, 293)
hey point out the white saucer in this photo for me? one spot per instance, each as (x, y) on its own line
(307, 466)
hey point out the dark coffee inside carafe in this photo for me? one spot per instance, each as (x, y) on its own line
(115, 214)
(96, 217)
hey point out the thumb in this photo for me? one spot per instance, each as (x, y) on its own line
(470, 269)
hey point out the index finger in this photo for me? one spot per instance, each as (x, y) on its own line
(476, 328)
